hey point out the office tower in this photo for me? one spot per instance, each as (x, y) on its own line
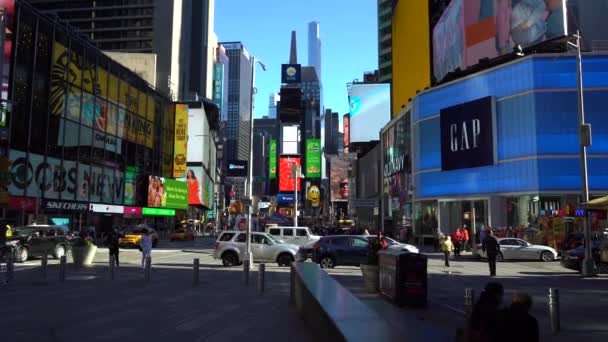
(263, 131)
(311, 91)
(314, 47)
(176, 35)
(272, 105)
(239, 101)
(385, 12)
(220, 82)
(332, 123)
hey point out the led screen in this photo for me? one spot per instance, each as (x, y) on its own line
(286, 182)
(290, 106)
(370, 110)
(469, 30)
(338, 177)
(346, 130)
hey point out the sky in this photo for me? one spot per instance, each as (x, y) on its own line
(349, 40)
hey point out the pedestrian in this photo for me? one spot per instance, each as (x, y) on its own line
(447, 247)
(482, 234)
(457, 241)
(438, 239)
(113, 246)
(145, 245)
(482, 324)
(515, 322)
(491, 246)
(465, 238)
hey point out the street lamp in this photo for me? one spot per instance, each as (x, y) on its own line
(249, 256)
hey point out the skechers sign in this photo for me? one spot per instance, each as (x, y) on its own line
(468, 135)
(237, 168)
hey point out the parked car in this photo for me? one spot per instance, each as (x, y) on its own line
(518, 249)
(573, 258)
(300, 236)
(231, 245)
(182, 234)
(337, 250)
(132, 236)
(38, 240)
(394, 244)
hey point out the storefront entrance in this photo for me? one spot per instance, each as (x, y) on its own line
(453, 214)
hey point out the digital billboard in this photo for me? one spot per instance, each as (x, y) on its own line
(195, 180)
(237, 168)
(290, 105)
(346, 131)
(291, 73)
(130, 184)
(167, 193)
(272, 167)
(370, 110)
(181, 140)
(313, 158)
(338, 178)
(286, 181)
(470, 30)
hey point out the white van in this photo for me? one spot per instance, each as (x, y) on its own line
(300, 236)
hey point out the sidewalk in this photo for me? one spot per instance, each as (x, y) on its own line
(89, 306)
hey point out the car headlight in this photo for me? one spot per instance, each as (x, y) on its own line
(13, 242)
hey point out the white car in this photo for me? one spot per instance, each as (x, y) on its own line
(230, 247)
(394, 244)
(518, 249)
(300, 236)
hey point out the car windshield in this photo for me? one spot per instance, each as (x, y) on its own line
(22, 232)
(274, 239)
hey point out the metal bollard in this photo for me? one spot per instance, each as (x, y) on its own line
(43, 264)
(62, 264)
(147, 269)
(469, 301)
(246, 271)
(261, 276)
(112, 265)
(195, 267)
(554, 310)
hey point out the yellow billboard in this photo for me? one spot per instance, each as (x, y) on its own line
(410, 52)
(181, 140)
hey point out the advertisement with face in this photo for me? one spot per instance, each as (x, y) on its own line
(370, 110)
(338, 177)
(470, 30)
(286, 181)
(167, 193)
(194, 176)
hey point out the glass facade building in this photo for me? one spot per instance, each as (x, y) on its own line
(82, 127)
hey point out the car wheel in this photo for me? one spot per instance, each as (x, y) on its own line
(328, 262)
(499, 257)
(285, 259)
(59, 251)
(230, 259)
(546, 256)
(23, 254)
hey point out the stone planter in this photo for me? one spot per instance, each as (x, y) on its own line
(371, 277)
(83, 255)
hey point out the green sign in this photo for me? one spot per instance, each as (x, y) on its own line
(158, 212)
(313, 158)
(273, 159)
(131, 173)
(176, 193)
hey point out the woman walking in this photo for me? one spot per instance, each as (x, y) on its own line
(145, 244)
(447, 247)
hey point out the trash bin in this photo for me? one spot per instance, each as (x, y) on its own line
(403, 277)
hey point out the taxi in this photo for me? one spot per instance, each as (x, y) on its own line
(132, 236)
(182, 235)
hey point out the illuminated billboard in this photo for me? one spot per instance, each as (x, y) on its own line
(346, 131)
(180, 151)
(273, 159)
(166, 193)
(370, 110)
(338, 178)
(470, 30)
(313, 158)
(286, 181)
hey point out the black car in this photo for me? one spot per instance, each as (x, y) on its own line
(573, 258)
(336, 250)
(37, 240)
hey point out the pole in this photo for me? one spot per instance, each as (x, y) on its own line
(295, 195)
(246, 271)
(43, 264)
(62, 263)
(249, 256)
(588, 267)
(554, 310)
(261, 278)
(473, 229)
(195, 267)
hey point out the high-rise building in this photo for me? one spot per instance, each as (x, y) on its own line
(272, 105)
(263, 131)
(220, 82)
(240, 84)
(178, 32)
(314, 47)
(332, 129)
(311, 91)
(385, 13)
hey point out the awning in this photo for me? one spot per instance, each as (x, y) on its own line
(598, 203)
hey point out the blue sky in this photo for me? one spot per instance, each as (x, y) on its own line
(349, 39)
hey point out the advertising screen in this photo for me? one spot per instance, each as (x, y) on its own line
(167, 193)
(194, 180)
(291, 139)
(130, 184)
(237, 168)
(290, 106)
(286, 182)
(272, 167)
(313, 158)
(338, 178)
(346, 131)
(370, 110)
(291, 73)
(469, 30)
(181, 140)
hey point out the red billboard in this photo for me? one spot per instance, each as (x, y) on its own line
(286, 181)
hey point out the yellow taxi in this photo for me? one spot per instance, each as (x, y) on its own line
(182, 235)
(132, 236)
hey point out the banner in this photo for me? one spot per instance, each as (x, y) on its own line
(194, 179)
(130, 184)
(167, 193)
(181, 140)
(313, 158)
(273, 159)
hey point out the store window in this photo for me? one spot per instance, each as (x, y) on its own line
(426, 217)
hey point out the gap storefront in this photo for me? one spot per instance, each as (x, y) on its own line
(501, 148)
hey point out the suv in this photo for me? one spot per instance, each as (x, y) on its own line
(348, 250)
(300, 236)
(38, 240)
(231, 245)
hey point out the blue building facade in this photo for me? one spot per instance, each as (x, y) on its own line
(536, 170)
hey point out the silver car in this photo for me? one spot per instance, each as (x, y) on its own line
(518, 249)
(230, 247)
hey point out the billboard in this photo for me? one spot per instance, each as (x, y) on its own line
(286, 182)
(290, 105)
(194, 180)
(272, 167)
(167, 193)
(346, 131)
(237, 168)
(370, 110)
(470, 30)
(180, 151)
(313, 158)
(338, 178)
(291, 73)
(131, 173)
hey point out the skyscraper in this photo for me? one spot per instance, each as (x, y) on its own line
(311, 91)
(385, 13)
(314, 47)
(272, 105)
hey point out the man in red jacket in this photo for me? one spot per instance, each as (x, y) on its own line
(465, 238)
(457, 239)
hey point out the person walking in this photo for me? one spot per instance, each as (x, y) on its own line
(465, 238)
(447, 248)
(145, 245)
(482, 324)
(491, 246)
(457, 241)
(113, 246)
(516, 315)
